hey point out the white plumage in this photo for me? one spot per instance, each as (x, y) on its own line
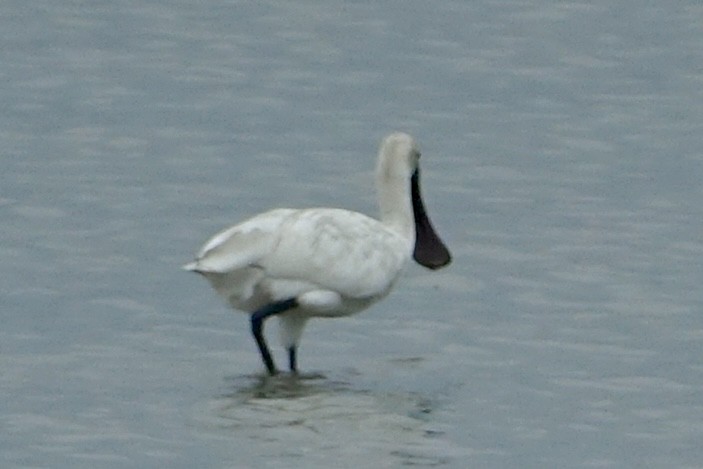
(324, 262)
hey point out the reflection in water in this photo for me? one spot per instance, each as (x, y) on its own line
(280, 386)
(322, 418)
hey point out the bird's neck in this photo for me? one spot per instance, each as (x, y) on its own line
(395, 203)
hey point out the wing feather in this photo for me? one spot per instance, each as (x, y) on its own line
(241, 245)
(346, 252)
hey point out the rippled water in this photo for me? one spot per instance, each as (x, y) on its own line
(562, 164)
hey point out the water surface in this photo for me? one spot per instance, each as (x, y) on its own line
(561, 163)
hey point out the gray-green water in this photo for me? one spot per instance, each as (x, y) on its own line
(562, 151)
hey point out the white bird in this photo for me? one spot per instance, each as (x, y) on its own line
(324, 262)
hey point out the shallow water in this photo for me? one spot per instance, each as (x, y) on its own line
(561, 164)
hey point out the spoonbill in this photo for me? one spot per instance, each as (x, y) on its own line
(296, 264)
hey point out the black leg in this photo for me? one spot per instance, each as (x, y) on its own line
(256, 329)
(257, 326)
(292, 359)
